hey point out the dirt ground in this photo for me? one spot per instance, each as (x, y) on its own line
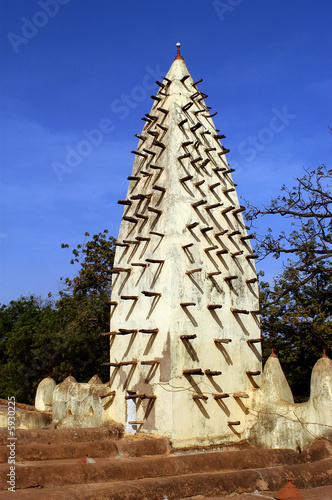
(321, 493)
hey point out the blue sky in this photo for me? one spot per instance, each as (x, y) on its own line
(73, 66)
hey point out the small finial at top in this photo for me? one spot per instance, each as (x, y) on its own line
(178, 56)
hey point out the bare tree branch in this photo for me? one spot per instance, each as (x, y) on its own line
(309, 242)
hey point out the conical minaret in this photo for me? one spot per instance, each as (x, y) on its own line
(185, 353)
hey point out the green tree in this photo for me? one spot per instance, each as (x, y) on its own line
(29, 348)
(96, 258)
(298, 325)
(296, 309)
(83, 308)
(42, 338)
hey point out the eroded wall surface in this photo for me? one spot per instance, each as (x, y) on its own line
(280, 423)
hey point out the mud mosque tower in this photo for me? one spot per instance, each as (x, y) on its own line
(185, 352)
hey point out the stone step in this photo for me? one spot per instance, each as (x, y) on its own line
(98, 449)
(45, 473)
(185, 486)
(55, 436)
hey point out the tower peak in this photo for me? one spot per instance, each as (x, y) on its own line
(178, 56)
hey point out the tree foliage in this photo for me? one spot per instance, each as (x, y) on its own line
(298, 325)
(95, 258)
(308, 245)
(39, 338)
(297, 308)
(27, 340)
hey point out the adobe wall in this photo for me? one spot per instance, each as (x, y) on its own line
(280, 423)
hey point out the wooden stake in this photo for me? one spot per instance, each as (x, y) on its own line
(192, 225)
(187, 106)
(149, 330)
(239, 311)
(193, 371)
(200, 396)
(236, 254)
(125, 202)
(196, 83)
(215, 205)
(193, 271)
(142, 137)
(184, 78)
(157, 234)
(112, 393)
(238, 210)
(222, 252)
(227, 209)
(210, 249)
(196, 127)
(221, 396)
(142, 238)
(223, 152)
(187, 178)
(247, 237)
(139, 153)
(233, 233)
(198, 203)
(163, 110)
(130, 219)
(155, 210)
(124, 363)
